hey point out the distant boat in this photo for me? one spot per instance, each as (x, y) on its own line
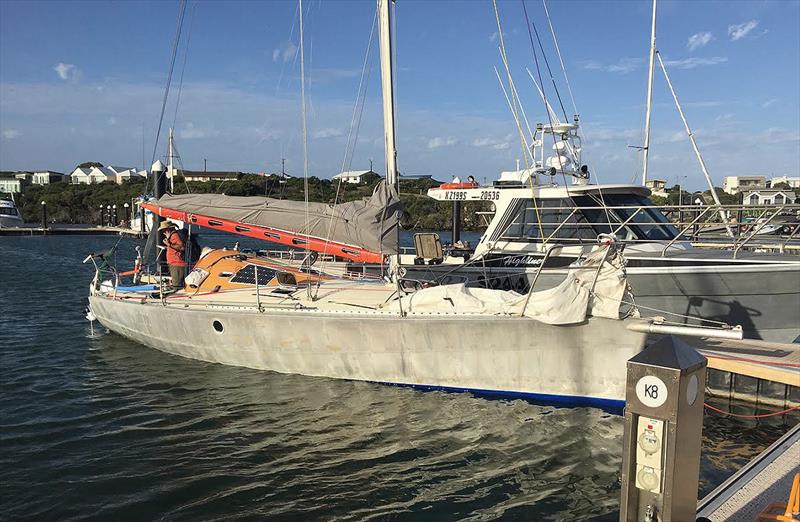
(9, 215)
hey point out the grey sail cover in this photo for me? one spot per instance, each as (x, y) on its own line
(368, 223)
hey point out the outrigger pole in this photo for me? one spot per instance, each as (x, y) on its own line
(722, 213)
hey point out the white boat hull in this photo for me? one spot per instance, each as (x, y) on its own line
(579, 364)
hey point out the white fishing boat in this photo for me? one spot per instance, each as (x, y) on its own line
(9, 215)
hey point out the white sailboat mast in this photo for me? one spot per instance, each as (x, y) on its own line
(651, 69)
(170, 164)
(387, 87)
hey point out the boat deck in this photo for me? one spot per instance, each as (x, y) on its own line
(766, 480)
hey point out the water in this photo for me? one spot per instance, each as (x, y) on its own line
(101, 427)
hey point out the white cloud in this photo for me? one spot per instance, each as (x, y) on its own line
(700, 39)
(623, 66)
(769, 103)
(726, 117)
(492, 143)
(190, 132)
(677, 136)
(493, 37)
(112, 120)
(439, 141)
(691, 63)
(739, 31)
(284, 53)
(67, 71)
(10, 134)
(327, 133)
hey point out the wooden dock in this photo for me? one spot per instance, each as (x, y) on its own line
(765, 481)
(68, 230)
(775, 362)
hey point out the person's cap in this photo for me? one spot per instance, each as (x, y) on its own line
(166, 224)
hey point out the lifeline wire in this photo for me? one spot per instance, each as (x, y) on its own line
(169, 76)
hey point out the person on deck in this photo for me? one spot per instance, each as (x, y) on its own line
(175, 247)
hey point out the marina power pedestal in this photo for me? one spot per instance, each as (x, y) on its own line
(663, 427)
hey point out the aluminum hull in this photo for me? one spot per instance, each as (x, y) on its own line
(578, 364)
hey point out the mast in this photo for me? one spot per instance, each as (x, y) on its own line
(651, 69)
(387, 87)
(170, 164)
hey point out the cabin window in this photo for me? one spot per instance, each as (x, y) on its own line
(247, 275)
(648, 223)
(8, 211)
(556, 218)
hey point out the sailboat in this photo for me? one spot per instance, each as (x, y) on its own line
(564, 344)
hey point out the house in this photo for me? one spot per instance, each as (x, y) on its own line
(90, 175)
(123, 174)
(769, 197)
(10, 183)
(355, 176)
(736, 184)
(658, 187)
(119, 175)
(792, 181)
(208, 175)
(45, 177)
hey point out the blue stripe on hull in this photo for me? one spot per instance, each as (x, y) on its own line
(610, 405)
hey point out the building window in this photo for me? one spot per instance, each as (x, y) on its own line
(754, 199)
(779, 199)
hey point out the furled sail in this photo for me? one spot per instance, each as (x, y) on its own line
(361, 230)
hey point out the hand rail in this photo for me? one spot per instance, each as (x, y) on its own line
(536, 277)
(757, 229)
(683, 231)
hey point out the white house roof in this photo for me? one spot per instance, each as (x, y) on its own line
(352, 174)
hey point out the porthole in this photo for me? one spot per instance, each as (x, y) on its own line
(217, 326)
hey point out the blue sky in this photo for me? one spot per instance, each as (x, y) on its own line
(83, 81)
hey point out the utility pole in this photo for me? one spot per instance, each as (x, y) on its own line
(205, 165)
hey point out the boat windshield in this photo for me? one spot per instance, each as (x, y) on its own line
(582, 218)
(646, 223)
(8, 211)
(562, 219)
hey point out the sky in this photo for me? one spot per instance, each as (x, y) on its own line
(84, 81)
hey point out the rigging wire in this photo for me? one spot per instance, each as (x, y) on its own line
(181, 14)
(516, 117)
(560, 59)
(547, 64)
(305, 129)
(352, 135)
(183, 67)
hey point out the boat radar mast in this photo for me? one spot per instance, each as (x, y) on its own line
(566, 151)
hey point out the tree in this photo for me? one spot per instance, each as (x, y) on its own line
(89, 164)
(782, 185)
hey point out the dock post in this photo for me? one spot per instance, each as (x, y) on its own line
(102, 215)
(664, 397)
(44, 215)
